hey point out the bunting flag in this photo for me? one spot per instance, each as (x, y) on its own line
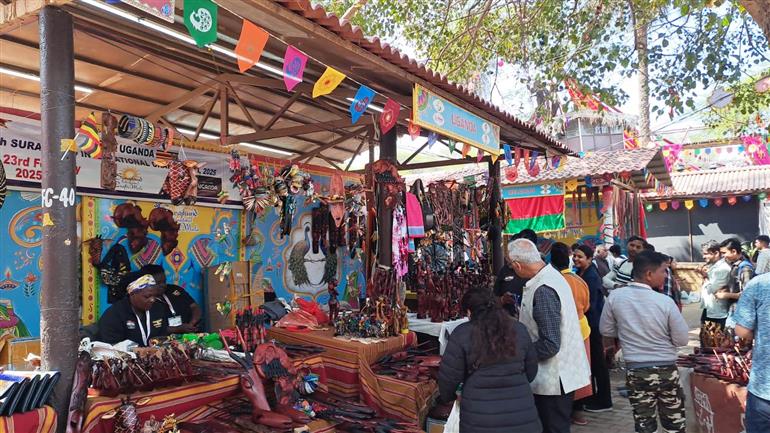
(663, 205)
(732, 200)
(508, 156)
(389, 115)
(675, 204)
(704, 202)
(452, 145)
(689, 204)
(200, 18)
(432, 138)
(250, 45)
(494, 157)
(511, 174)
(530, 161)
(294, 62)
(756, 149)
(719, 201)
(556, 161)
(329, 81)
(671, 153)
(364, 96)
(87, 137)
(539, 207)
(517, 160)
(414, 131)
(479, 155)
(466, 149)
(630, 139)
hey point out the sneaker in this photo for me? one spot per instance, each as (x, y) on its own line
(578, 420)
(597, 409)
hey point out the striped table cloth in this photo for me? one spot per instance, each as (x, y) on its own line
(42, 420)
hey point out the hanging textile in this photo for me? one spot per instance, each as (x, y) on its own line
(536, 207)
(400, 239)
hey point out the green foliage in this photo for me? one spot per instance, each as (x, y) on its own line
(734, 119)
(692, 43)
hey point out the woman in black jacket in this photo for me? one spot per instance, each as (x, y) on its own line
(494, 359)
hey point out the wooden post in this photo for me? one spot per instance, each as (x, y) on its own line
(59, 295)
(384, 216)
(495, 232)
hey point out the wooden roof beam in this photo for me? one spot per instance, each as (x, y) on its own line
(309, 155)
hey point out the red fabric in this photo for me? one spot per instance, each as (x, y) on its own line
(42, 420)
(531, 207)
(314, 309)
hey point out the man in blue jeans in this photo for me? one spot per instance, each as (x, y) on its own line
(752, 317)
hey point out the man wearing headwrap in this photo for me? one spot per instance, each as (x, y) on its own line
(136, 317)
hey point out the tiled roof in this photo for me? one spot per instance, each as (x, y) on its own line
(354, 34)
(633, 161)
(722, 181)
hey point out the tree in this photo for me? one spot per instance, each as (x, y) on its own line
(748, 111)
(676, 46)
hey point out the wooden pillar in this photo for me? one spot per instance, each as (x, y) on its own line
(495, 232)
(59, 295)
(385, 217)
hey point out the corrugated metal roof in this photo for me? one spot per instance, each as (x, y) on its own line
(354, 34)
(721, 181)
(633, 161)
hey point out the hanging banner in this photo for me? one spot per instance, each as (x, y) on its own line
(250, 45)
(20, 144)
(538, 207)
(437, 114)
(329, 81)
(360, 102)
(294, 62)
(200, 18)
(163, 9)
(389, 115)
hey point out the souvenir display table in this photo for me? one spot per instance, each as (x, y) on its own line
(42, 420)
(441, 330)
(719, 405)
(349, 375)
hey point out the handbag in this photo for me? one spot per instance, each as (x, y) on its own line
(429, 219)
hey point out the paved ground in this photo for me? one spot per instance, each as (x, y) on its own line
(620, 419)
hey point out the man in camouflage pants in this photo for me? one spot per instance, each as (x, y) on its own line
(650, 328)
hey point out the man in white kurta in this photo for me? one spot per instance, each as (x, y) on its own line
(549, 314)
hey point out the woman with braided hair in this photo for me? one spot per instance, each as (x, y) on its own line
(493, 358)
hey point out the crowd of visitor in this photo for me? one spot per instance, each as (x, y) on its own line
(537, 350)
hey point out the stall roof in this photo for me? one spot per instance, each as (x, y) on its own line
(633, 161)
(720, 182)
(129, 67)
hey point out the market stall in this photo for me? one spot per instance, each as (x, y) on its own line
(166, 165)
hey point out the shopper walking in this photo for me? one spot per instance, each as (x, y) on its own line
(549, 313)
(621, 272)
(494, 360)
(752, 317)
(601, 401)
(650, 328)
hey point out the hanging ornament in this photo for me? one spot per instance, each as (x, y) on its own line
(704, 202)
(200, 18)
(675, 205)
(329, 81)
(732, 200)
(250, 45)
(294, 62)
(762, 195)
(663, 205)
(689, 204)
(648, 207)
(719, 201)
(364, 96)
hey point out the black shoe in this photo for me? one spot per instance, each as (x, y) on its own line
(596, 409)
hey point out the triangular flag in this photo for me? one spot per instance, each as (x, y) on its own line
(689, 204)
(663, 205)
(432, 138)
(517, 158)
(704, 202)
(200, 18)
(732, 200)
(294, 62)
(47, 221)
(508, 155)
(389, 115)
(466, 149)
(719, 201)
(493, 157)
(250, 45)
(479, 155)
(451, 146)
(414, 131)
(329, 81)
(675, 204)
(364, 96)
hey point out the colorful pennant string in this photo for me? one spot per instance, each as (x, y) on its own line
(250, 45)
(329, 80)
(389, 115)
(294, 62)
(414, 131)
(508, 156)
(364, 96)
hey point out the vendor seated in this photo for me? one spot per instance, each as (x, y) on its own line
(182, 313)
(136, 317)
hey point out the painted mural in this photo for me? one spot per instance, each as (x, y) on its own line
(20, 264)
(207, 237)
